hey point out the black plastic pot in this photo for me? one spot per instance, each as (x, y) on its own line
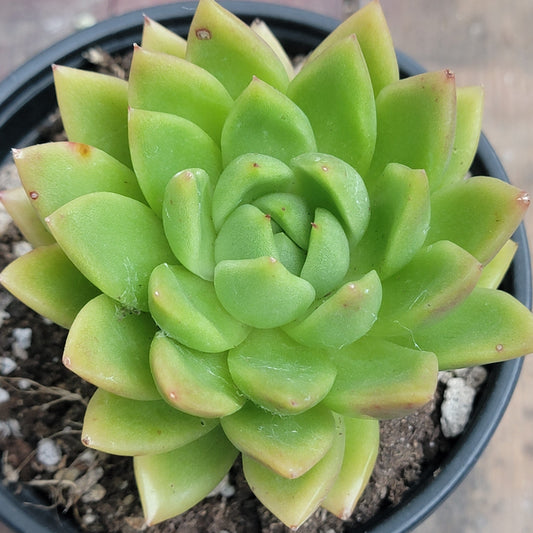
(26, 99)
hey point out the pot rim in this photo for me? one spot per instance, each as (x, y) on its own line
(22, 94)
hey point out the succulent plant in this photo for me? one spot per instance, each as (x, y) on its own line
(252, 260)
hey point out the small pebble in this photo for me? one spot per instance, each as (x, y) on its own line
(22, 336)
(224, 488)
(4, 396)
(94, 494)
(23, 384)
(7, 365)
(21, 248)
(9, 428)
(456, 407)
(48, 452)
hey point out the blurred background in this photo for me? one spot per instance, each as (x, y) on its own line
(485, 42)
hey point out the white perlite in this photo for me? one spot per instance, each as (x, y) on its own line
(456, 406)
(7, 365)
(48, 452)
(4, 396)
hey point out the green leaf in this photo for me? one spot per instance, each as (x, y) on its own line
(342, 318)
(416, 125)
(265, 121)
(438, 278)
(280, 374)
(294, 500)
(494, 271)
(194, 382)
(159, 82)
(186, 307)
(187, 221)
(479, 214)
(157, 38)
(489, 326)
(372, 32)
(55, 173)
(112, 256)
(261, 292)
(360, 454)
(246, 179)
(173, 482)
(94, 110)
(122, 426)
(227, 48)
(379, 379)
(326, 181)
(291, 256)
(109, 348)
(20, 209)
(163, 145)
(399, 221)
(335, 92)
(288, 445)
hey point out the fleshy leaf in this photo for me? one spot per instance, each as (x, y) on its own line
(285, 131)
(326, 181)
(467, 132)
(288, 445)
(291, 256)
(186, 307)
(279, 374)
(342, 113)
(122, 426)
(372, 32)
(55, 173)
(187, 221)
(343, 317)
(157, 38)
(379, 379)
(112, 256)
(227, 48)
(479, 214)
(294, 500)
(399, 221)
(489, 326)
(173, 482)
(20, 209)
(360, 453)
(328, 255)
(494, 271)
(416, 125)
(159, 82)
(246, 179)
(94, 110)
(438, 278)
(261, 292)
(163, 145)
(194, 382)
(47, 282)
(109, 348)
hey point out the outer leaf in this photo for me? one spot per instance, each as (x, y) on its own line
(186, 308)
(360, 453)
(294, 500)
(109, 348)
(342, 318)
(188, 223)
(159, 82)
(246, 179)
(416, 125)
(479, 214)
(94, 110)
(163, 145)
(19, 207)
(55, 173)
(157, 38)
(335, 92)
(379, 379)
(261, 292)
(171, 483)
(112, 256)
(284, 130)
(45, 280)
(288, 445)
(372, 31)
(438, 278)
(225, 46)
(194, 382)
(488, 326)
(280, 374)
(399, 221)
(495, 270)
(131, 427)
